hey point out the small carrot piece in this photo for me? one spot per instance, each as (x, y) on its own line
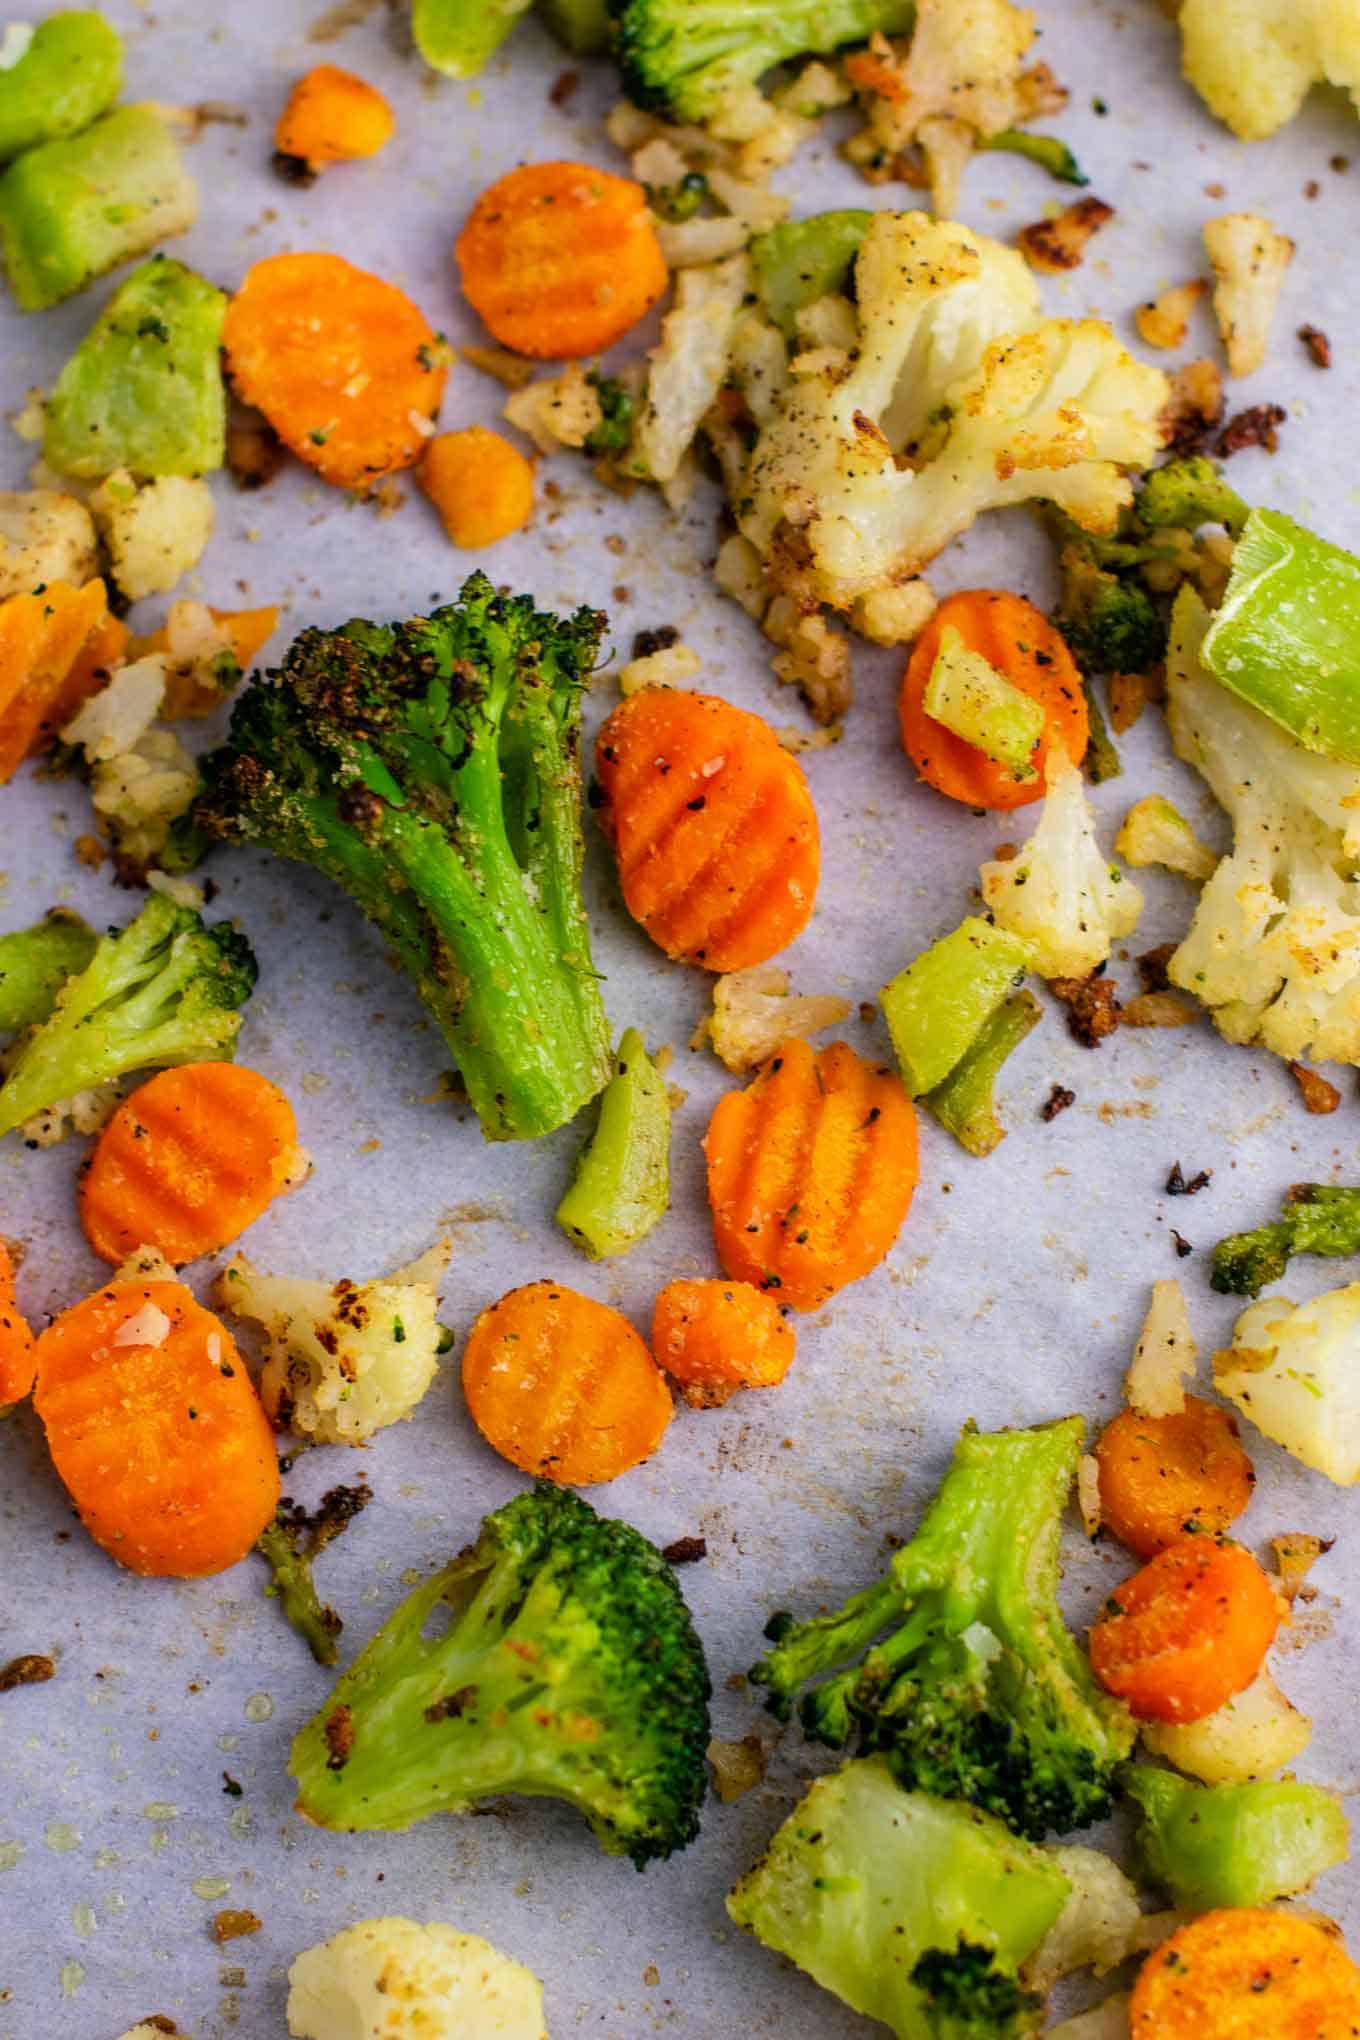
(332, 116)
(249, 630)
(713, 1338)
(156, 1430)
(1248, 1973)
(188, 1162)
(481, 485)
(1026, 649)
(344, 366)
(1159, 1475)
(1185, 1634)
(562, 1386)
(16, 1339)
(712, 825)
(43, 638)
(811, 1171)
(560, 259)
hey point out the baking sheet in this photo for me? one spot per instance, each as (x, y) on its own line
(1013, 1295)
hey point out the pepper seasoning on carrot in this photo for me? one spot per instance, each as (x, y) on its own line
(1248, 1973)
(1185, 1634)
(714, 1338)
(1162, 1475)
(54, 646)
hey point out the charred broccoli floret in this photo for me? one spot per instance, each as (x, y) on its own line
(431, 769)
(1315, 1218)
(687, 58)
(569, 1669)
(978, 1691)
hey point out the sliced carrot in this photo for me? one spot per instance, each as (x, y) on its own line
(332, 116)
(1187, 1632)
(810, 1172)
(1248, 1973)
(344, 366)
(562, 1386)
(249, 630)
(42, 638)
(1025, 648)
(155, 1429)
(712, 825)
(481, 485)
(1161, 1475)
(16, 1339)
(713, 1338)
(188, 1162)
(561, 259)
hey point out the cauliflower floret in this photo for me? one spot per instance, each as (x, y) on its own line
(1274, 947)
(44, 536)
(1294, 1371)
(1096, 1929)
(753, 1011)
(391, 1979)
(1154, 831)
(344, 1359)
(1255, 61)
(1254, 1735)
(1249, 261)
(1060, 893)
(558, 410)
(119, 716)
(142, 791)
(1164, 1358)
(688, 367)
(960, 398)
(155, 534)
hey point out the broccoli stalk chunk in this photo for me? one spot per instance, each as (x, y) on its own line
(978, 1691)
(459, 37)
(163, 990)
(1316, 1218)
(431, 769)
(36, 962)
(912, 1910)
(622, 1186)
(964, 1104)
(1229, 1845)
(68, 70)
(568, 1669)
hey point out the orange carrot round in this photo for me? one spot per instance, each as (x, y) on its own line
(1025, 648)
(16, 1339)
(344, 366)
(155, 1429)
(332, 116)
(188, 1162)
(810, 1172)
(481, 485)
(562, 1386)
(1159, 1475)
(713, 1338)
(560, 259)
(712, 825)
(1187, 1632)
(1248, 1973)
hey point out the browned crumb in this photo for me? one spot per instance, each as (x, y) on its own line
(1092, 1006)
(255, 453)
(659, 639)
(29, 1670)
(293, 169)
(1178, 1184)
(1165, 320)
(563, 87)
(90, 852)
(685, 1550)
(1318, 345)
(1130, 694)
(1005, 853)
(1182, 1246)
(1151, 967)
(1058, 1100)
(232, 1925)
(1318, 1095)
(1296, 1552)
(1158, 1009)
(1195, 407)
(1059, 244)
(1258, 426)
(737, 1766)
(338, 1730)
(511, 371)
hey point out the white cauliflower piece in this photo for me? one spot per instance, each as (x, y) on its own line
(1254, 62)
(343, 1359)
(155, 534)
(672, 666)
(1164, 1358)
(1293, 1370)
(143, 791)
(558, 410)
(119, 716)
(753, 1011)
(1060, 893)
(961, 398)
(1274, 947)
(1096, 1929)
(1257, 1733)
(1154, 831)
(44, 536)
(689, 365)
(392, 1979)
(84, 1112)
(1249, 262)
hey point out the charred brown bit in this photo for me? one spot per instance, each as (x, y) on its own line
(1130, 694)
(563, 87)
(231, 1925)
(1178, 1184)
(452, 1705)
(338, 1729)
(161, 2022)
(645, 642)
(1060, 244)
(1182, 1246)
(1151, 967)
(1259, 426)
(1058, 1100)
(1318, 1095)
(1194, 410)
(293, 169)
(255, 453)
(1296, 1552)
(685, 1550)
(1165, 320)
(1318, 345)
(1158, 1009)
(29, 1670)
(1092, 1006)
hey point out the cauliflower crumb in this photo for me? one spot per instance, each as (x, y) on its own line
(1165, 321)
(30, 421)
(753, 1011)
(895, 616)
(1249, 260)
(1096, 1926)
(83, 1112)
(1291, 1370)
(44, 536)
(1164, 1358)
(1088, 1494)
(559, 410)
(672, 666)
(148, 1326)
(815, 658)
(392, 1979)
(739, 573)
(119, 716)
(144, 1264)
(1060, 893)
(156, 534)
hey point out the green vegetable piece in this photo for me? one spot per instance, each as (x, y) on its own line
(581, 25)
(288, 1546)
(566, 1667)
(963, 1103)
(459, 37)
(73, 209)
(803, 260)
(1189, 493)
(679, 201)
(690, 58)
(1154, 831)
(1316, 1218)
(36, 962)
(938, 1005)
(1102, 760)
(69, 68)
(1045, 150)
(623, 1178)
(143, 390)
(1287, 637)
(617, 406)
(163, 990)
(967, 694)
(1217, 1845)
(912, 1910)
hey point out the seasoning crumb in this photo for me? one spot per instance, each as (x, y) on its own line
(29, 1670)
(232, 1787)
(1258, 426)
(231, 1925)
(1151, 967)
(338, 1730)
(645, 642)
(1058, 1100)
(1092, 1007)
(563, 87)
(685, 1550)
(1318, 1095)
(1179, 1185)
(737, 1766)
(1182, 1246)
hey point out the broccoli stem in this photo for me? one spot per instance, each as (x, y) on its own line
(459, 37)
(36, 962)
(964, 1102)
(970, 698)
(1234, 1845)
(582, 26)
(317, 1624)
(937, 1007)
(1045, 150)
(800, 261)
(622, 1186)
(1317, 1218)
(70, 71)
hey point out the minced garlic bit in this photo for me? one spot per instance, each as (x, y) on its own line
(148, 1326)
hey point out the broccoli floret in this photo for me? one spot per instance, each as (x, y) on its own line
(686, 58)
(36, 962)
(163, 990)
(1316, 1218)
(979, 1691)
(288, 1546)
(569, 1669)
(1111, 621)
(617, 405)
(912, 1910)
(1189, 493)
(431, 769)
(1229, 1845)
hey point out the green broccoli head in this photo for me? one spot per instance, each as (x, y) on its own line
(163, 990)
(978, 1691)
(914, 1910)
(1109, 619)
(617, 405)
(569, 1669)
(432, 769)
(690, 58)
(1188, 493)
